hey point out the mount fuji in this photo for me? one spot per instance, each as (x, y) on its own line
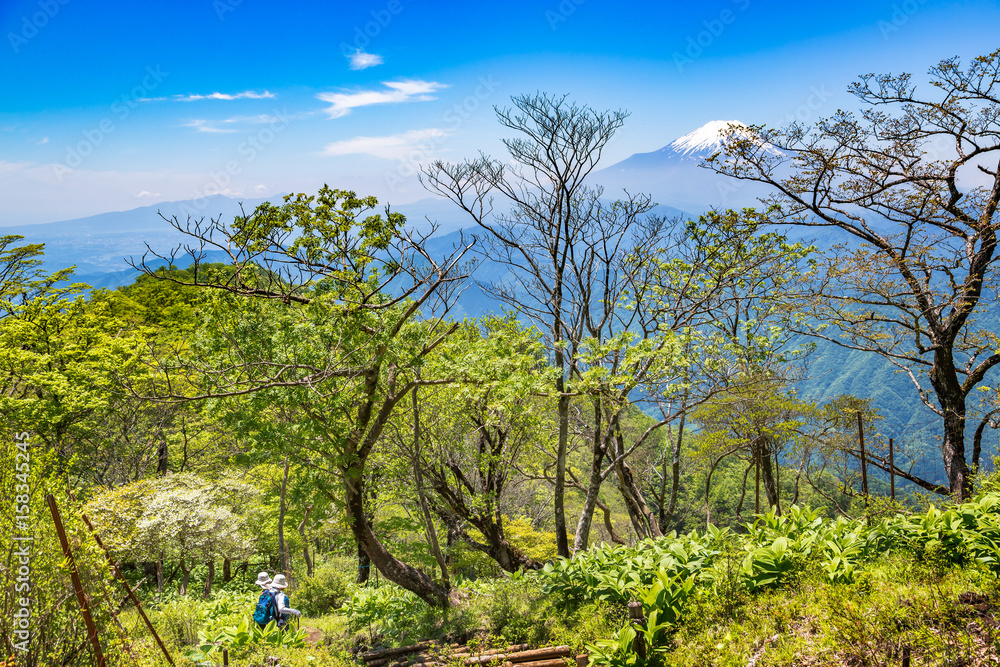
(674, 175)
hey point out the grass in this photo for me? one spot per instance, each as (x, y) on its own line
(900, 607)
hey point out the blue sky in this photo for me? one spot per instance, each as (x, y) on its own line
(113, 105)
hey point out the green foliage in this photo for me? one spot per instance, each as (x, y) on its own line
(34, 572)
(180, 516)
(387, 611)
(179, 621)
(510, 611)
(243, 636)
(535, 544)
(59, 359)
(326, 590)
(226, 609)
(778, 549)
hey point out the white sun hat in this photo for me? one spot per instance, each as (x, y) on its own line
(279, 582)
(263, 579)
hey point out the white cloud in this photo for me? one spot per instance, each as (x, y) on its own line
(245, 95)
(398, 91)
(259, 119)
(42, 141)
(393, 147)
(202, 125)
(362, 60)
(146, 194)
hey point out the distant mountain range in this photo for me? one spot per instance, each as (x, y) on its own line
(99, 245)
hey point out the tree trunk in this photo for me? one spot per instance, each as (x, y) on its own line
(486, 519)
(282, 551)
(364, 566)
(227, 570)
(582, 537)
(708, 490)
(162, 456)
(767, 475)
(394, 569)
(502, 551)
(305, 542)
(452, 538)
(185, 577)
(559, 510)
(159, 575)
(207, 591)
(635, 502)
(675, 468)
(952, 401)
(608, 526)
(743, 494)
(432, 538)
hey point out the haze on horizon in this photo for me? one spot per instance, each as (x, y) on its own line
(125, 105)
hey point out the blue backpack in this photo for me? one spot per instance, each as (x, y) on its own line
(266, 610)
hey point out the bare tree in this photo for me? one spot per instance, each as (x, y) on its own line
(546, 218)
(914, 184)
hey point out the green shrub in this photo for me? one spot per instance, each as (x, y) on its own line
(669, 574)
(510, 611)
(390, 612)
(179, 621)
(535, 544)
(243, 637)
(328, 589)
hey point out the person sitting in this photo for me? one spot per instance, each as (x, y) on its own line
(278, 585)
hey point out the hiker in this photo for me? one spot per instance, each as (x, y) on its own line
(278, 585)
(263, 580)
(267, 607)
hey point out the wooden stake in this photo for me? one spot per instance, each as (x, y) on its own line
(81, 597)
(756, 461)
(131, 593)
(638, 619)
(864, 462)
(892, 472)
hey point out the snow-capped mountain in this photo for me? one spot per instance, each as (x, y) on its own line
(674, 175)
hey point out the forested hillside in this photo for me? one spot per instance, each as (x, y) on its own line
(633, 456)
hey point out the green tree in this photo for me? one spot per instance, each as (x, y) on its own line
(476, 434)
(183, 518)
(59, 357)
(724, 287)
(325, 303)
(909, 183)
